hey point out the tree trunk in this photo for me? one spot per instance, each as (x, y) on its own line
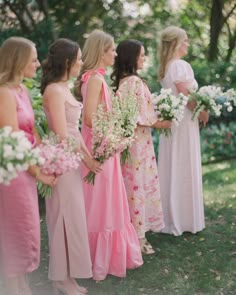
(216, 24)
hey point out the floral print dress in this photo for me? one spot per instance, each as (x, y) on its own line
(140, 173)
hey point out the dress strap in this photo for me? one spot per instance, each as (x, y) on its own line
(87, 74)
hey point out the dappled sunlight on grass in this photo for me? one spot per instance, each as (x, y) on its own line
(219, 182)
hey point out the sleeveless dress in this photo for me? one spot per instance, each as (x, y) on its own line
(114, 246)
(19, 212)
(65, 216)
(179, 164)
(140, 173)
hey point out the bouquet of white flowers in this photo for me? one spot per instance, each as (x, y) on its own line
(213, 99)
(169, 107)
(16, 154)
(126, 111)
(206, 99)
(112, 130)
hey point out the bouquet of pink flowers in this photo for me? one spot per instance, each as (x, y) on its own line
(112, 130)
(59, 158)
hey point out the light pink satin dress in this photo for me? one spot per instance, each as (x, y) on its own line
(65, 215)
(19, 213)
(114, 245)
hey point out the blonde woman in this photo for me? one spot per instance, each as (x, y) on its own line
(114, 246)
(179, 158)
(19, 213)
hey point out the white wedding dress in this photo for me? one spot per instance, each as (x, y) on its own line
(179, 164)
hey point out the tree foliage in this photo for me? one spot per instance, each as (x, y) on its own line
(210, 25)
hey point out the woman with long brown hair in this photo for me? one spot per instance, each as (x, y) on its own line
(140, 172)
(65, 210)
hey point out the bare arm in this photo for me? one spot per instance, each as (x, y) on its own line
(8, 117)
(38, 139)
(8, 109)
(54, 102)
(92, 99)
(162, 124)
(184, 88)
(90, 107)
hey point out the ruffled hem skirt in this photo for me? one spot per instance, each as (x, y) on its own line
(113, 252)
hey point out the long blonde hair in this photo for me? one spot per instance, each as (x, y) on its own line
(14, 56)
(171, 38)
(95, 45)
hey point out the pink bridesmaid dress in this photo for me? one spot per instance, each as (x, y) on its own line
(114, 245)
(65, 215)
(19, 213)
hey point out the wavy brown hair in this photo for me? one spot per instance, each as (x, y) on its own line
(125, 65)
(62, 55)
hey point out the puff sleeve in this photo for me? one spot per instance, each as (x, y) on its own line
(147, 115)
(181, 71)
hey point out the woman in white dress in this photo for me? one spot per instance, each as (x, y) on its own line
(179, 157)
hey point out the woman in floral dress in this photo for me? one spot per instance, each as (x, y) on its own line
(140, 173)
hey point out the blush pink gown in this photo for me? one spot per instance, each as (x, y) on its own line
(114, 245)
(65, 215)
(19, 213)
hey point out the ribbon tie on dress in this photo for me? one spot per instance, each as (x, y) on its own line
(87, 74)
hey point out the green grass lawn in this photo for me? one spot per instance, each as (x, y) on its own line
(204, 263)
